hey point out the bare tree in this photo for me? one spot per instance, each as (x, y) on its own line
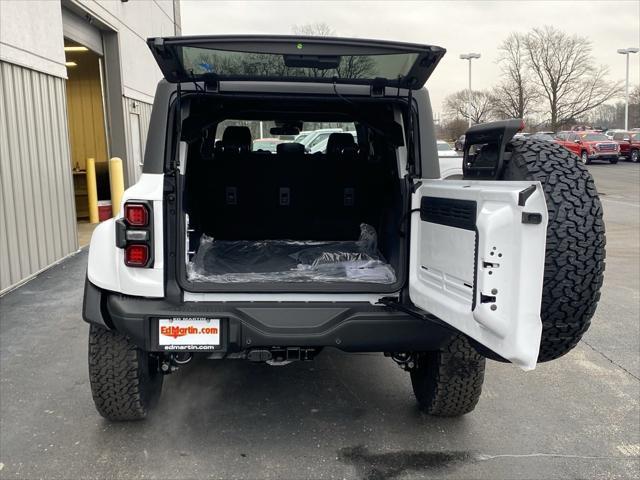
(452, 129)
(634, 107)
(605, 115)
(564, 69)
(351, 66)
(516, 94)
(318, 29)
(477, 105)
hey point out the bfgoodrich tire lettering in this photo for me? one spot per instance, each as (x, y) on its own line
(125, 381)
(574, 262)
(448, 382)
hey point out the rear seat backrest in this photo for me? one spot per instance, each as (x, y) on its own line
(226, 175)
(338, 196)
(290, 194)
(341, 146)
(235, 140)
(285, 183)
(289, 149)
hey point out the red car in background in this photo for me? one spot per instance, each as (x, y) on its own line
(629, 143)
(590, 146)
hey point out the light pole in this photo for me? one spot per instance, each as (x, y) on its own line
(626, 52)
(469, 56)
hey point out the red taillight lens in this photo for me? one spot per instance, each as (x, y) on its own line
(136, 214)
(136, 255)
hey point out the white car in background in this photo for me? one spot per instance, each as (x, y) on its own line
(321, 146)
(302, 135)
(316, 137)
(450, 161)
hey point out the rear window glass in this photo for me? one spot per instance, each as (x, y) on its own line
(270, 145)
(314, 139)
(200, 61)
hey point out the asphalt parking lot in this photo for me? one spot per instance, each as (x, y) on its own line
(341, 416)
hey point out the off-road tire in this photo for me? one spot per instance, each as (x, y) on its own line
(125, 381)
(574, 261)
(448, 382)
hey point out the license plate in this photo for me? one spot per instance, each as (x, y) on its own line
(189, 333)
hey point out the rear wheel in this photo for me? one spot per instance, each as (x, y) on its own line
(574, 262)
(634, 155)
(448, 382)
(125, 381)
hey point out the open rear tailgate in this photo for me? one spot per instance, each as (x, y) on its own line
(296, 59)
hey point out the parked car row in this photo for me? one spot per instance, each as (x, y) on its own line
(589, 145)
(311, 139)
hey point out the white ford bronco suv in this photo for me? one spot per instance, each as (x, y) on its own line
(224, 251)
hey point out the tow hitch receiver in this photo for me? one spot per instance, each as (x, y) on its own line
(281, 355)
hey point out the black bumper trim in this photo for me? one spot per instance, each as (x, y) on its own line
(348, 326)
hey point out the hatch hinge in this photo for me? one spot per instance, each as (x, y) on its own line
(211, 83)
(160, 47)
(377, 87)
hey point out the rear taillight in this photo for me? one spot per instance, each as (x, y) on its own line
(136, 255)
(134, 234)
(136, 214)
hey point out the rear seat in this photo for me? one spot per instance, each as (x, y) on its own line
(225, 199)
(279, 182)
(337, 188)
(289, 194)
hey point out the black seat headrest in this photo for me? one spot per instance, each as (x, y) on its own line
(235, 139)
(341, 144)
(290, 148)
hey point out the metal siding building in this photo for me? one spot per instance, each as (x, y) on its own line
(37, 214)
(136, 129)
(37, 200)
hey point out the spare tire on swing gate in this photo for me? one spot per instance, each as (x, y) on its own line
(575, 252)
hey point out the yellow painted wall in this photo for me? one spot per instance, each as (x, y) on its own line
(85, 110)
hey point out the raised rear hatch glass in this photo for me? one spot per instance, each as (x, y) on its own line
(289, 58)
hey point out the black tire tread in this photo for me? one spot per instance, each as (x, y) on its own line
(448, 382)
(575, 254)
(120, 384)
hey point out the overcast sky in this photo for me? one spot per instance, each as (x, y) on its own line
(460, 27)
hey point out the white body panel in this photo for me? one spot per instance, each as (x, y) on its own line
(106, 267)
(450, 167)
(442, 267)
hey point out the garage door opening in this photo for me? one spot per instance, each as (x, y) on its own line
(87, 129)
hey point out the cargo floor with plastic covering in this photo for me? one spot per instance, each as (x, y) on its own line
(244, 261)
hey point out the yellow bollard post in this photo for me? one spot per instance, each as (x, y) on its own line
(116, 180)
(92, 191)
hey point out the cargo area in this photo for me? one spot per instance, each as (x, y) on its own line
(321, 209)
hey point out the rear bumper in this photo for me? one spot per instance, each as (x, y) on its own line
(348, 326)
